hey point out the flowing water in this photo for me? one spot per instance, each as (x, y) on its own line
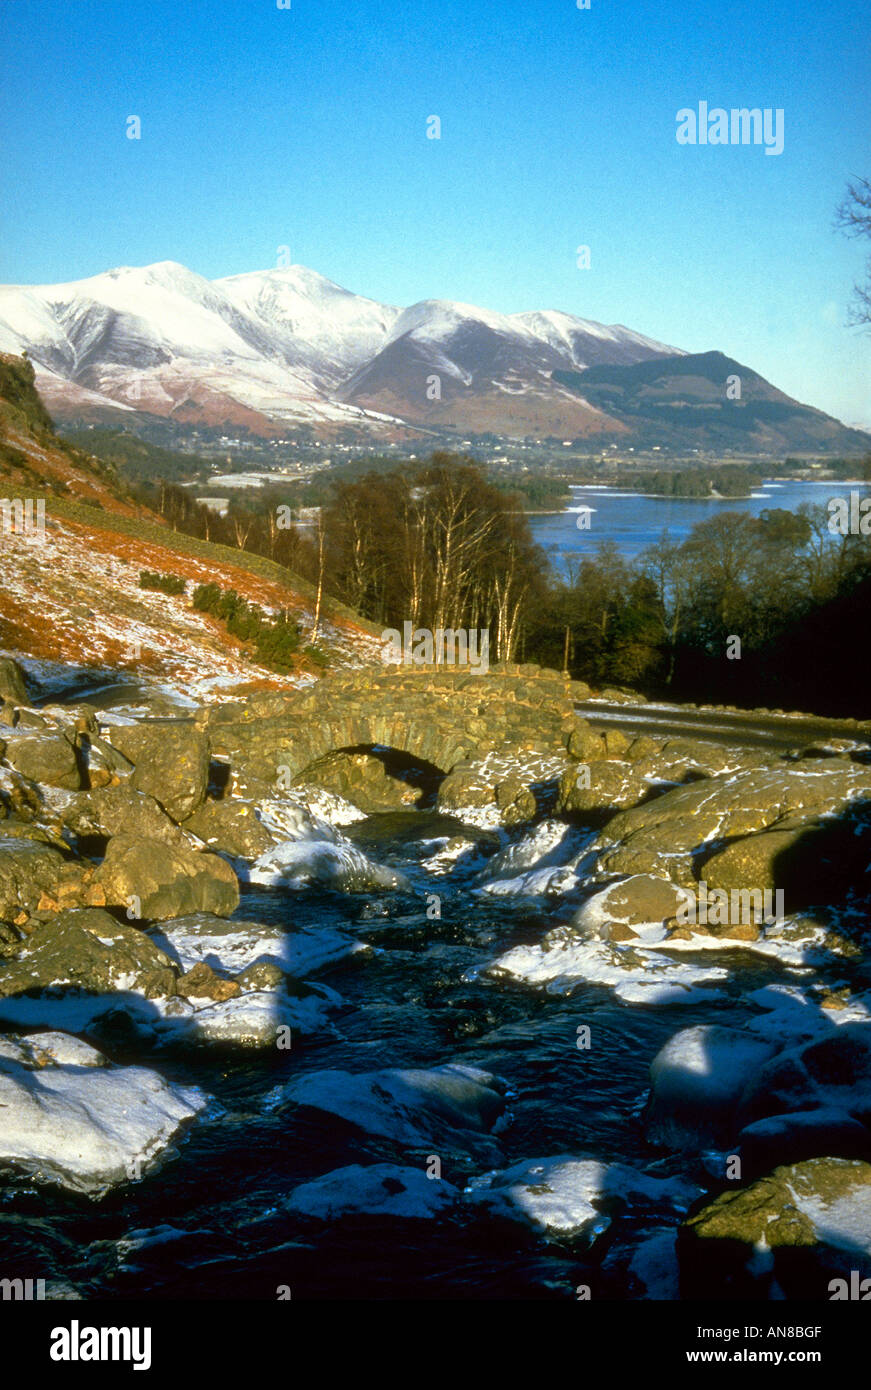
(209, 1223)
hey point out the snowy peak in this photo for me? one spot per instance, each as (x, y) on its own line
(268, 347)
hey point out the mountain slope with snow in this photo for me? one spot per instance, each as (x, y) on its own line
(276, 350)
(262, 350)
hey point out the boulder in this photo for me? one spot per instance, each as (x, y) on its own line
(171, 763)
(231, 827)
(13, 683)
(31, 872)
(159, 881)
(805, 1134)
(49, 759)
(407, 1106)
(632, 901)
(572, 1197)
(378, 1189)
(108, 811)
(89, 950)
(826, 1073)
(697, 1081)
(789, 1230)
(663, 839)
(73, 1120)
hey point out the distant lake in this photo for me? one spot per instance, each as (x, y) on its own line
(633, 522)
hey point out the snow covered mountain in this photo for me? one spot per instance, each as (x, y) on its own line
(273, 348)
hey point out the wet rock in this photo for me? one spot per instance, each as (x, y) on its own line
(72, 1119)
(697, 1081)
(408, 1106)
(89, 950)
(379, 1189)
(160, 881)
(573, 1197)
(170, 763)
(790, 1230)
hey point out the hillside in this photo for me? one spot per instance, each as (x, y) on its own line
(681, 402)
(71, 596)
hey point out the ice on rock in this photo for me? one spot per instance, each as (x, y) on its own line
(408, 1106)
(573, 1196)
(83, 1123)
(563, 961)
(230, 946)
(342, 867)
(381, 1189)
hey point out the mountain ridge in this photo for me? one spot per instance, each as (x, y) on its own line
(288, 352)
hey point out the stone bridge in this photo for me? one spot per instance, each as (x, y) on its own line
(443, 716)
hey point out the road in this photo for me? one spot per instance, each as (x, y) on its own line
(727, 727)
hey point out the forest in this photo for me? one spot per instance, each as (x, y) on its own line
(439, 545)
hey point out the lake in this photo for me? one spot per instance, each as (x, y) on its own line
(633, 521)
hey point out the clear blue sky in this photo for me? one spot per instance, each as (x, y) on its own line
(306, 127)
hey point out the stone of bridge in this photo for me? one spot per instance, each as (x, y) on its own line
(441, 715)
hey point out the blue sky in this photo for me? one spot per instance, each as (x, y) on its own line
(306, 128)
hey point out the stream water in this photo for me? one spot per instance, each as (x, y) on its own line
(209, 1223)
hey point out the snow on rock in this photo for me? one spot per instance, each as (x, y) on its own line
(230, 945)
(573, 1196)
(697, 1080)
(85, 1124)
(380, 1189)
(563, 962)
(343, 867)
(408, 1106)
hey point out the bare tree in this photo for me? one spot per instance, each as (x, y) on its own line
(853, 218)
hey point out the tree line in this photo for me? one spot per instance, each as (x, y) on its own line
(441, 546)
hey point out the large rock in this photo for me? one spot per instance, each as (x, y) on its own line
(13, 683)
(159, 881)
(379, 1189)
(31, 871)
(89, 950)
(572, 1197)
(806, 1134)
(110, 811)
(49, 759)
(795, 1227)
(662, 838)
(408, 1106)
(697, 1081)
(71, 1119)
(629, 903)
(171, 763)
(231, 827)
(832, 1072)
